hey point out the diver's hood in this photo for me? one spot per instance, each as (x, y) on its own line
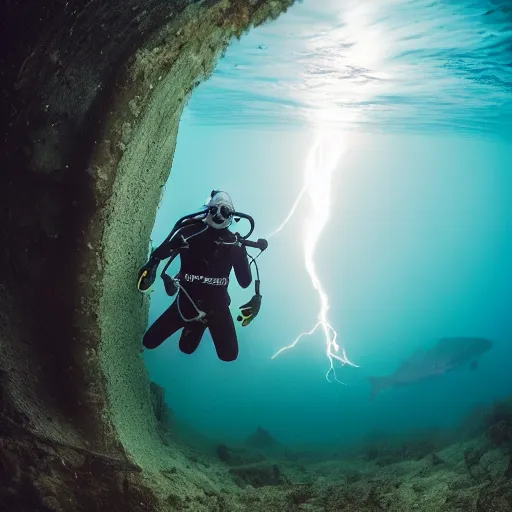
(215, 218)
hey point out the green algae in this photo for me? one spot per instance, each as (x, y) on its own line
(145, 121)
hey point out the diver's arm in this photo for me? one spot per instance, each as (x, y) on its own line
(171, 247)
(168, 249)
(164, 251)
(241, 267)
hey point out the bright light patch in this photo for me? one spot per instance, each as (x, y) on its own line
(320, 165)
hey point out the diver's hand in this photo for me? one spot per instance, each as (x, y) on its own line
(147, 274)
(238, 239)
(249, 311)
(262, 244)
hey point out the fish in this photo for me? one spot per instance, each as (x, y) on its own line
(447, 355)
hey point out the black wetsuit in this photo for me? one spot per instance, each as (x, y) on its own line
(204, 274)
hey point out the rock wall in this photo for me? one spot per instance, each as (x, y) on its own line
(94, 91)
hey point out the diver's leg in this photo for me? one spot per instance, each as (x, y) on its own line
(193, 331)
(164, 326)
(191, 337)
(222, 329)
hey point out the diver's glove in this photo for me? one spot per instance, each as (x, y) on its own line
(262, 244)
(147, 274)
(249, 311)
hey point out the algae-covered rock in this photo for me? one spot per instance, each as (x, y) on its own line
(93, 94)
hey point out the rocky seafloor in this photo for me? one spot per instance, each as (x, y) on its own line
(465, 469)
(468, 468)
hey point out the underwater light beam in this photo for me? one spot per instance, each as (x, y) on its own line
(320, 165)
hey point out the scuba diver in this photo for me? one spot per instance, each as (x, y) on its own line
(208, 252)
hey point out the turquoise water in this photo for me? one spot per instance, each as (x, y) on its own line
(415, 101)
